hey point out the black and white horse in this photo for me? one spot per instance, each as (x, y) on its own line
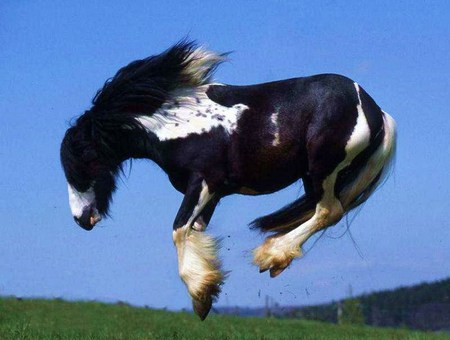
(215, 140)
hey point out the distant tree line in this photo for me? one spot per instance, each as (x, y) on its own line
(425, 306)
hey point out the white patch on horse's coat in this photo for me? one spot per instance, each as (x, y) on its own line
(360, 138)
(79, 200)
(276, 134)
(205, 197)
(199, 224)
(191, 112)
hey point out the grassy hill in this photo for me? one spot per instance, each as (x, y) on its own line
(57, 319)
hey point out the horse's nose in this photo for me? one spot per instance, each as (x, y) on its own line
(88, 218)
(83, 223)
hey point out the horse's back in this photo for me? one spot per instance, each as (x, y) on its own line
(272, 94)
(298, 107)
(284, 118)
(298, 104)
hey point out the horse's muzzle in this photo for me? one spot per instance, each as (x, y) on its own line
(88, 218)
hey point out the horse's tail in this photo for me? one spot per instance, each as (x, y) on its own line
(354, 184)
(357, 186)
(288, 217)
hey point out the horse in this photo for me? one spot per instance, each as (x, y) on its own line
(214, 140)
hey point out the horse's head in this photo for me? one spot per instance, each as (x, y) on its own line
(106, 135)
(90, 175)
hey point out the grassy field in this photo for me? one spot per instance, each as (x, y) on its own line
(56, 319)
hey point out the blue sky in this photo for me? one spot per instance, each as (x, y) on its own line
(55, 55)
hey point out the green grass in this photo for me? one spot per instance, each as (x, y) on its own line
(57, 319)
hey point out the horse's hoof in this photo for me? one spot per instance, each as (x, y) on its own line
(273, 257)
(275, 271)
(202, 307)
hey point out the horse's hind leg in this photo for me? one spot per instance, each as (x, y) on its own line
(278, 251)
(329, 151)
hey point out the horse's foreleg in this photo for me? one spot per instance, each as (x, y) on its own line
(198, 265)
(203, 219)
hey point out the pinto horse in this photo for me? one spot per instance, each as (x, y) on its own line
(214, 140)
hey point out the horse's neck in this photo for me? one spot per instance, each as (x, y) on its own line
(129, 143)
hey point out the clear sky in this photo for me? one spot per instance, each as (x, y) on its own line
(54, 55)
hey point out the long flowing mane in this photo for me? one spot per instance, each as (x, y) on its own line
(144, 85)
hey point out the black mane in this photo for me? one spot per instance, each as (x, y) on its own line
(143, 85)
(139, 88)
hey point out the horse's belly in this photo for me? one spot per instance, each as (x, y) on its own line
(267, 170)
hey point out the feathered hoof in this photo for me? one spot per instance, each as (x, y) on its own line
(274, 256)
(200, 269)
(202, 305)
